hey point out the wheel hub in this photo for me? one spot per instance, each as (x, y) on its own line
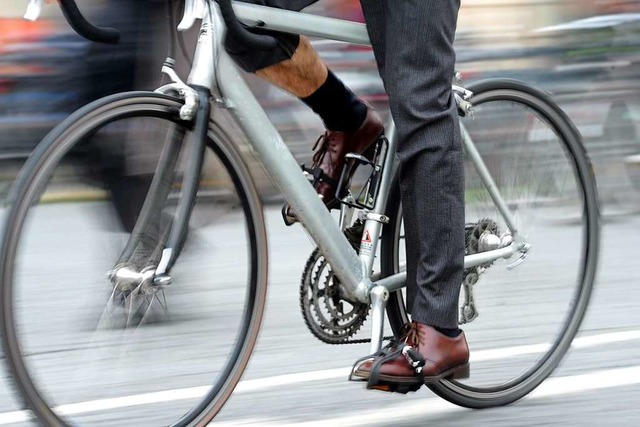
(126, 278)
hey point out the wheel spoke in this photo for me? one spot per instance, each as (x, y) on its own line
(541, 172)
(111, 343)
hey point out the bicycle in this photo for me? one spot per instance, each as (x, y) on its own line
(527, 159)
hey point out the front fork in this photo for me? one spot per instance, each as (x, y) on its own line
(125, 276)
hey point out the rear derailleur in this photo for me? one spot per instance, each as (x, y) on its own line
(481, 236)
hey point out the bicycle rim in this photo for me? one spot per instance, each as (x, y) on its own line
(528, 315)
(171, 357)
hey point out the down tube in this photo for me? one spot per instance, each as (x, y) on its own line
(281, 166)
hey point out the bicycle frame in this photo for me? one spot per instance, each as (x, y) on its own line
(214, 69)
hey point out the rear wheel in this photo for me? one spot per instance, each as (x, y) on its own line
(82, 352)
(528, 315)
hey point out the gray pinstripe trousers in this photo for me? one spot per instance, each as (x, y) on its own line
(413, 45)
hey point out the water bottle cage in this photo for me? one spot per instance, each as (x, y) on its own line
(366, 197)
(317, 176)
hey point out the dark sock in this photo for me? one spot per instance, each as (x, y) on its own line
(451, 333)
(337, 106)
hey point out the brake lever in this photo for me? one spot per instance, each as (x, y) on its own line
(33, 10)
(193, 9)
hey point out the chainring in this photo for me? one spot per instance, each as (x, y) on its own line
(330, 318)
(334, 320)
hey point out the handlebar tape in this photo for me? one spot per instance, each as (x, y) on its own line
(85, 28)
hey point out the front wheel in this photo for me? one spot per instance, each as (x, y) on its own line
(528, 314)
(82, 351)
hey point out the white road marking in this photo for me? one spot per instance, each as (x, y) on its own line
(580, 342)
(433, 406)
(609, 379)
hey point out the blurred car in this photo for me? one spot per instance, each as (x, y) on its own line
(40, 68)
(590, 66)
(47, 72)
(599, 60)
(598, 68)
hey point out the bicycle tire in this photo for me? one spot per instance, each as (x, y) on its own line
(34, 176)
(478, 397)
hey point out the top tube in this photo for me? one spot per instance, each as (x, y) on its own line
(307, 24)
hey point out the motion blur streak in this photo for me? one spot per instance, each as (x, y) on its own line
(563, 385)
(434, 407)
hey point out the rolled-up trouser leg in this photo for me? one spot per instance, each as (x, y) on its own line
(253, 60)
(413, 44)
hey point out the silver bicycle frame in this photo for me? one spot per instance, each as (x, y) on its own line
(214, 69)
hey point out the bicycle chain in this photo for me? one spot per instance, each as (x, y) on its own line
(325, 325)
(329, 331)
(310, 281)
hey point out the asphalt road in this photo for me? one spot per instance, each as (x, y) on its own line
(295, 379)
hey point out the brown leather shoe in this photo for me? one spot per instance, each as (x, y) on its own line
(444, 357)
(329, 158)
(334, 145)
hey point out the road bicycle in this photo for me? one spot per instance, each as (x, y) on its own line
(532, 238)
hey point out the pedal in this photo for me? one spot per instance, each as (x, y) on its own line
(352, 375)
(385, 355)
(288, 216)
(402, 388)
(313, 176)
(373, 157)
(316, 176)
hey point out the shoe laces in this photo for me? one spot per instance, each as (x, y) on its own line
(411, 334)
(322, 146)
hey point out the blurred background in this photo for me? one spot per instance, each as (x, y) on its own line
(586, 53)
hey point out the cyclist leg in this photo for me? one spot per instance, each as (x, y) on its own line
(351, 125)
(413, 44)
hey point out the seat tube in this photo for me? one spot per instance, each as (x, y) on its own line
(377, 218)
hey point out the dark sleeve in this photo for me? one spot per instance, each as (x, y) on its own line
(283, 4)
(252, 60)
